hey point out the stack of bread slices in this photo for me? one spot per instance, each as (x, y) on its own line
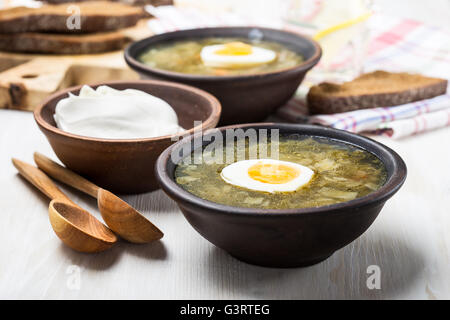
(68, 28)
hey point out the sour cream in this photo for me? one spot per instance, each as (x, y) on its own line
(116, 114)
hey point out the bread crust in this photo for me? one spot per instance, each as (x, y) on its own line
(54, 18)
(154, 3)
(61, 43)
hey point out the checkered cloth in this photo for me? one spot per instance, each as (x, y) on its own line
(397, 45)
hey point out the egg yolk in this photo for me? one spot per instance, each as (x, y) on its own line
(272, 173)
(235, 49)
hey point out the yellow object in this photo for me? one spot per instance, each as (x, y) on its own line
(235, 49)
(319, 35)
(272, 173)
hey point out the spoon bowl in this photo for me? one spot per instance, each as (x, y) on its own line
(125, 220)
(78, 229)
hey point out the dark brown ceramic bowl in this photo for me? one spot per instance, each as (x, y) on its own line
(125, 166)
(245, 98)
(284, 238)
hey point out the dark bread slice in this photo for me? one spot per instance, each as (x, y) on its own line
(62, 43)
(372, 90)
(95, 16)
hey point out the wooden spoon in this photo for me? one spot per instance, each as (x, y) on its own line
(76, 227)
(117, 214)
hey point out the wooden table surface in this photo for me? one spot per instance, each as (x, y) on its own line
(409, 241)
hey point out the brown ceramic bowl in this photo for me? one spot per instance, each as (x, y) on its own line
(125, 166)
(291, 237)
(244, 98)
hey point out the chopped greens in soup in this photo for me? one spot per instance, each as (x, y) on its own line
(220, 56)
(314, 171)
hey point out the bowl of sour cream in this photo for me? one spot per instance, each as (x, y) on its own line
(112, 133)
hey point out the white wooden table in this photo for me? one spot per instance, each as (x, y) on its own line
(409, 241)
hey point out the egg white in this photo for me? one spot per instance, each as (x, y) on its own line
(237, 174)
(258, 56)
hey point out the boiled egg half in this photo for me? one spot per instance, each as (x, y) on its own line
(235, 55)
(267, 175)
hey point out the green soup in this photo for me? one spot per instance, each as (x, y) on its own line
(184, 57)
(341, 173)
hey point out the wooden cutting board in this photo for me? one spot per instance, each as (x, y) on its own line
(27, 79)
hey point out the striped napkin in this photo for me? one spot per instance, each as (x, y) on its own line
(396, 45)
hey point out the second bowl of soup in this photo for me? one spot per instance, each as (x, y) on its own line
(252, 71)
(280, 195)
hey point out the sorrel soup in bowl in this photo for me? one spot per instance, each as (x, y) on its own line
(221, 56)
(280, 195)
(252, 71)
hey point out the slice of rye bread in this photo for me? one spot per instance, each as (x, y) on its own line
(63, 43)
(95, 16)
(372, 90)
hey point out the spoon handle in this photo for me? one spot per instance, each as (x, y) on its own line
(65, 175)
(41, 181)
